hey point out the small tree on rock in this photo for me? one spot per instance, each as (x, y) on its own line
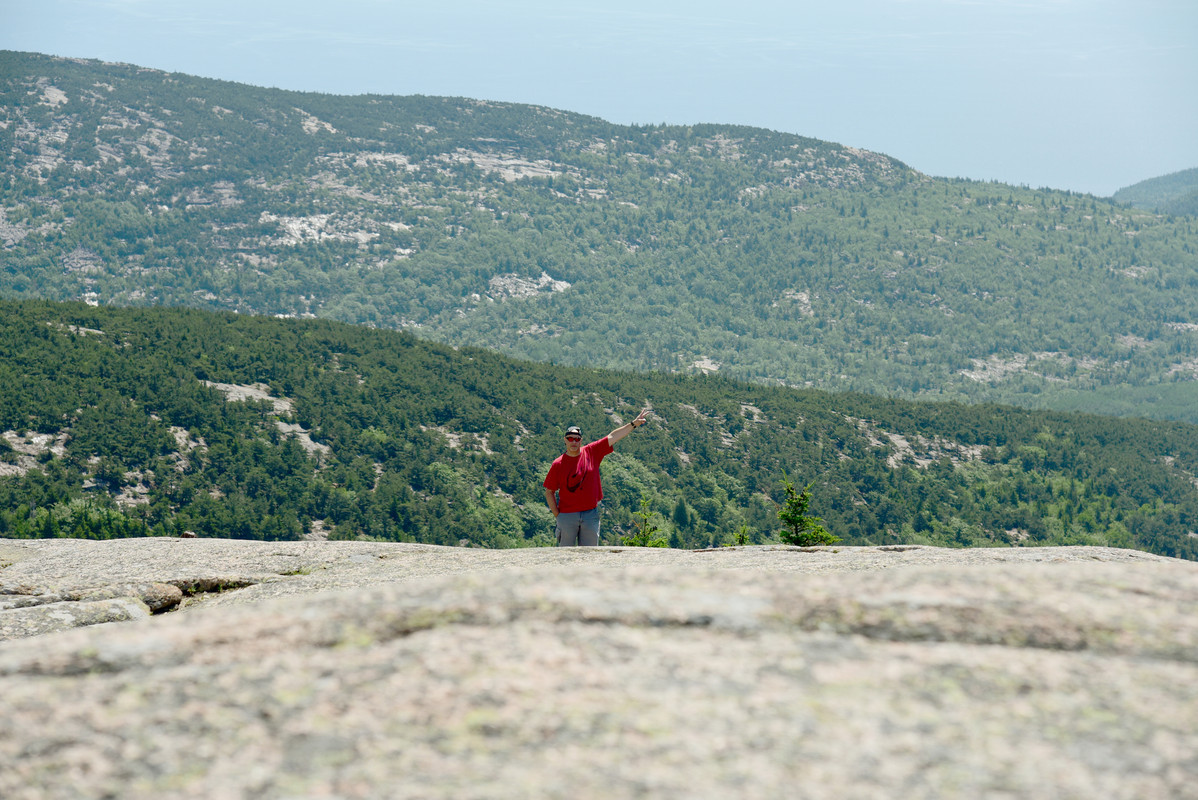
(648, 534)
(803, 529)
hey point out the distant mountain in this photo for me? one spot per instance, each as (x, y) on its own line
(122, 422)
(563, 238)
(1176, 193)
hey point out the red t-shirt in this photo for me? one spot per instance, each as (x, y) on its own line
(576, 480)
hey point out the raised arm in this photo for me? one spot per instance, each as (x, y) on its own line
(622, 431)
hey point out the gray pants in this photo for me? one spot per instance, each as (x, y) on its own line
(578, 529)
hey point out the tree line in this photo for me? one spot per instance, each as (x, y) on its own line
(409, 440)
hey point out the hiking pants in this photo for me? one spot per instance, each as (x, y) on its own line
(578, 529)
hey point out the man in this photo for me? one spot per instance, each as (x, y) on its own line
(573, 489)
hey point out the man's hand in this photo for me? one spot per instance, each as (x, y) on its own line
(627, 428)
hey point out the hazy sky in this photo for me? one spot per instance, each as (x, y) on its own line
(1089, 95)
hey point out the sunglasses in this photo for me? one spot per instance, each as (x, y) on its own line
(573, 438)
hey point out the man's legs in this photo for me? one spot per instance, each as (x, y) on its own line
(567, 529)
(588, 528)
(578, 529)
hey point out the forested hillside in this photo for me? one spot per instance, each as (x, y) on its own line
(558, 237)
(1176, 193)
(118, 422)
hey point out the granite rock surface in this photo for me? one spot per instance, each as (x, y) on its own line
(364, 670)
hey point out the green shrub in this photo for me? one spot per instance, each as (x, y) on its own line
(648, 533)
(802, 529)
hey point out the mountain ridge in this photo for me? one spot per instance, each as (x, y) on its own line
(768, 256)
(1175, 193)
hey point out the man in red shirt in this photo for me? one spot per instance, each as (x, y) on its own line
(573, 489)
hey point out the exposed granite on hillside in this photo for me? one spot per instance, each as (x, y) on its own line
(371, 670)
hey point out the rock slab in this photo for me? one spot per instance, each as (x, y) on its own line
(393, 671)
